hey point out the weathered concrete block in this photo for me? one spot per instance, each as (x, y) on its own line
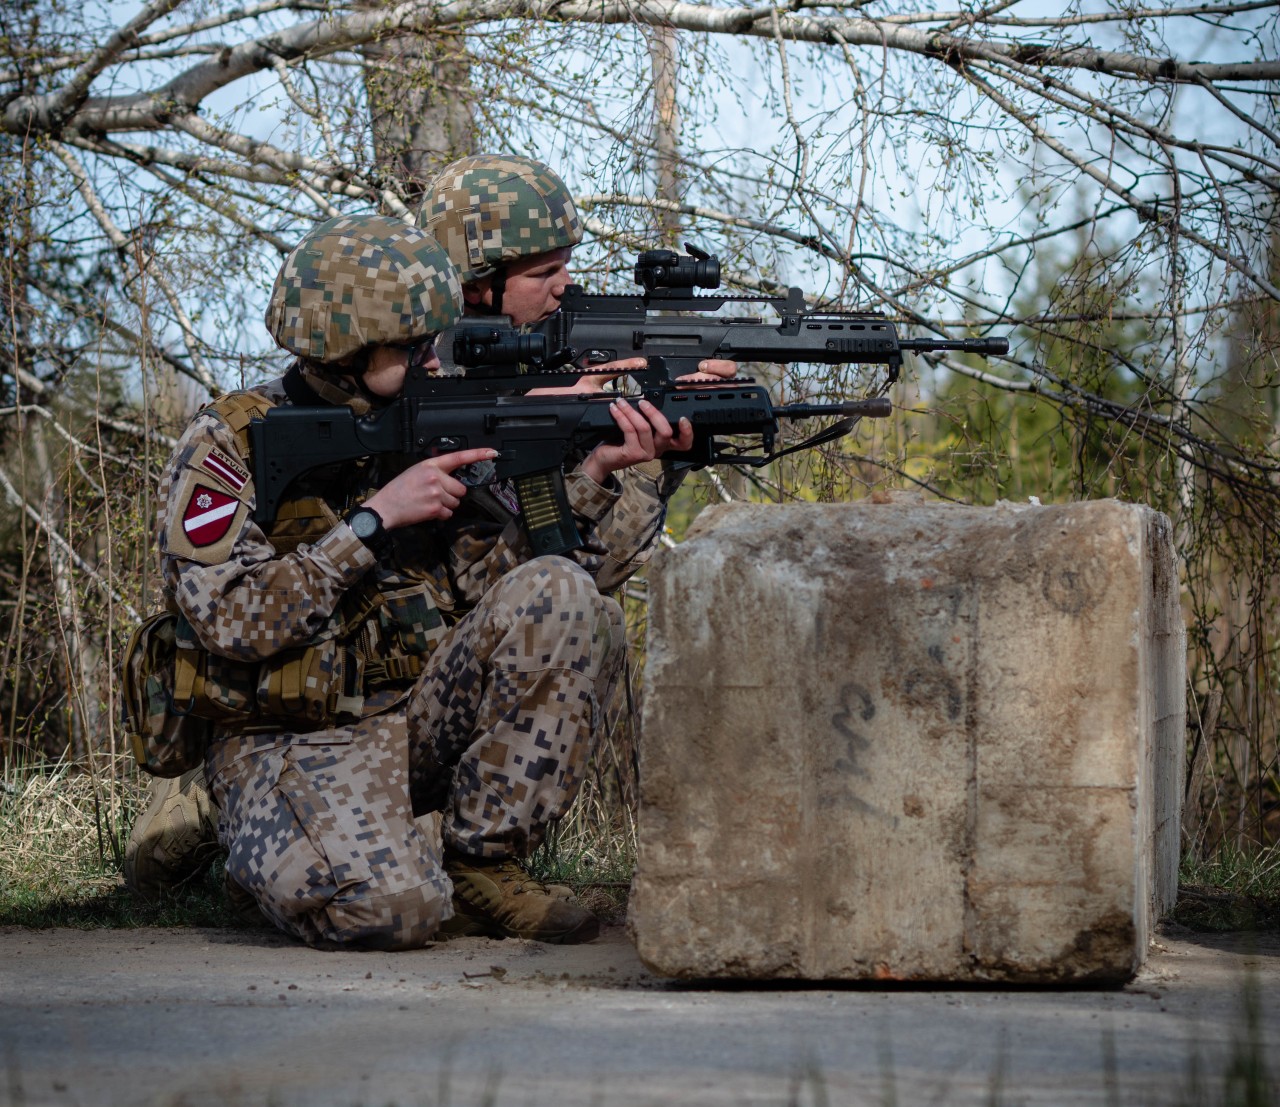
(913, 741)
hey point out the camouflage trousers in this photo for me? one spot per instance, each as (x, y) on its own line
(328, 831)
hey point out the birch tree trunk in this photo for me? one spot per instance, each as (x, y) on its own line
(421, 113)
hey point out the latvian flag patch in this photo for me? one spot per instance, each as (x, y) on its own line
(234, 475)
(208, 515)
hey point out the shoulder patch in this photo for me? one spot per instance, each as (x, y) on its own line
(207, 516)
(225, 469)
(206, 520)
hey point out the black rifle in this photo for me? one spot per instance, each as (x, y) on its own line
(534, 435)
(486, 405)
(591, 330)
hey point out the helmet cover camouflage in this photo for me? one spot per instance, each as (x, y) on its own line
(489, 210)
(362, 280)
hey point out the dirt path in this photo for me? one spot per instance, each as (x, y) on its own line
(196, 1017)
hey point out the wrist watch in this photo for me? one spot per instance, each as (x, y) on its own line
(368, 527)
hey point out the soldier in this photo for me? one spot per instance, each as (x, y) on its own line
(509, 224)
(388, 646)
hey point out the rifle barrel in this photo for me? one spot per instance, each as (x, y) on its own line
(984, 346)
(875, 407)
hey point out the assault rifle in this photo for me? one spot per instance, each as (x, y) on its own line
(592, 330)
(486, 405)
(534, 435)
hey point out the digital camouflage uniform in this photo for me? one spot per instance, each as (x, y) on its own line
(489, 209)
(481, 675)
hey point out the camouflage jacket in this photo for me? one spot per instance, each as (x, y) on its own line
(248, 594)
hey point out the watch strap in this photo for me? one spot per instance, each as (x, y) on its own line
(376, 541)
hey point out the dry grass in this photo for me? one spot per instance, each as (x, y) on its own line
(63, 832)
(58, 832)
(593, 849)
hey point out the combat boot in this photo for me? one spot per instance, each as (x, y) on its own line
(242, 904)
(174, 840)
(498, 899)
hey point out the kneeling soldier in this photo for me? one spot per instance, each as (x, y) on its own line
(387, 646)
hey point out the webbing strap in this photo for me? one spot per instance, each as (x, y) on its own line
(238, 410)
(392, 670)
(185, 671)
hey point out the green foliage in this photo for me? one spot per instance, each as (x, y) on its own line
(1014, 443)
(107, 904)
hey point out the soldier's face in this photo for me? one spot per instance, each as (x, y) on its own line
(533, 287)
(387, 367)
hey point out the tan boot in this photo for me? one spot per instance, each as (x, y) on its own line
(174, 839)
(242, 903)
(500, 900)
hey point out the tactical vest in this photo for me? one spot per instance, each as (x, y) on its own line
(377, 640)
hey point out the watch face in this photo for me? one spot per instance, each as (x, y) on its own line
(364, 523)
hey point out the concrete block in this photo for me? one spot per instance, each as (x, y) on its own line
(911, 741)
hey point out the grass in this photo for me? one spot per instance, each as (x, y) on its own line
(59, 861)
(112, 906)
(61, 851)
(1234, 889)
(599, 873)
(62, 836)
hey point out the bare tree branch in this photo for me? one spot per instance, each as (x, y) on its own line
(55, 538)
(50, 112)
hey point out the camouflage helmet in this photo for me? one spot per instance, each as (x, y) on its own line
(362, 280)
(489, 210)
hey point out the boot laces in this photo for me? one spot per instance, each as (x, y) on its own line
(511, 872)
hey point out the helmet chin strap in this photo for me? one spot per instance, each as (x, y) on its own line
(497, 287)
(359, 364)
(351, 368)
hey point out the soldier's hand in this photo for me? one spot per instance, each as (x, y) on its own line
(593, 383)
(646, 434)
(426, 490)
(710, 371)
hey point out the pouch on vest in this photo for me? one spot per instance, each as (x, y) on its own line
(411, 621)
(166, 742)
(216, 688)
(320, 683)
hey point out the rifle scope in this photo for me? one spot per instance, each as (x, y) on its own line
(486, 345)
(667, 269)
